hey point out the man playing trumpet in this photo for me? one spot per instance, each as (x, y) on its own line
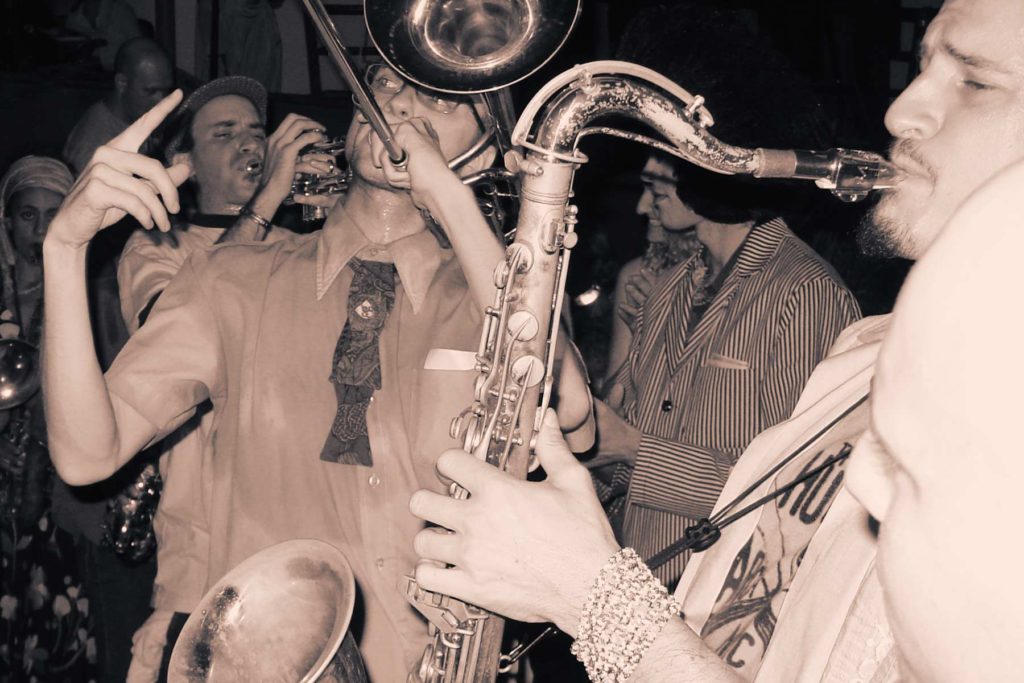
(334, 360)
(219, 132)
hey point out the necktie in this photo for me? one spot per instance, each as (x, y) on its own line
(356, 365)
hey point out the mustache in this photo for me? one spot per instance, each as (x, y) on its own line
(910, 149)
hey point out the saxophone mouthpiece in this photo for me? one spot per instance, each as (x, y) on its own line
(850, 174)
(887, 175)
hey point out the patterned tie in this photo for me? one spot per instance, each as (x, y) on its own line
(356, 368)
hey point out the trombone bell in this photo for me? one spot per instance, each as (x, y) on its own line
(278, 616)
(469, 46)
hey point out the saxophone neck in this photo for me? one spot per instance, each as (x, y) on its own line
(561, 113)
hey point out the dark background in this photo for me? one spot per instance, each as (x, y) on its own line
(856, 54)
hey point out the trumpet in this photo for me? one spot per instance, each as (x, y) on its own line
(314, 184)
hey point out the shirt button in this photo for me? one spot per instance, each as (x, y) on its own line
(374, 480)
(380, 563)
(666, 405)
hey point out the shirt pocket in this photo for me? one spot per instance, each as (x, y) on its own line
(449, 359)
(719, 360)
(446, 389)
(725, 412)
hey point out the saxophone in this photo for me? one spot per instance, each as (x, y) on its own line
(517, 347)
(128, 524)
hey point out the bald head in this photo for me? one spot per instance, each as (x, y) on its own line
(143, 75)
(136, 51)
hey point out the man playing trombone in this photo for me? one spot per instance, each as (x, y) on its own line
(334, 360)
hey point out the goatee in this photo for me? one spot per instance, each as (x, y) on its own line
(880, 236)
(875, 239)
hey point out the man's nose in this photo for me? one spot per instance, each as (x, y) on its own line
(917, 114)
(41, 224)
(401, 105)
(646, 203)
(249, 143)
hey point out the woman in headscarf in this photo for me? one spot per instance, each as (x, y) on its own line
(43, 614)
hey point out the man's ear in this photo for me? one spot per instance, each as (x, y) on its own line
(184, 158)
(120, 83)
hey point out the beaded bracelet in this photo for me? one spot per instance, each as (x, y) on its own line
(624, 612)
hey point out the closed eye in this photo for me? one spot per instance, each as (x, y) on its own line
(976, 85)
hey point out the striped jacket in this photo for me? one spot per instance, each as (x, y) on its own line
(699, 400)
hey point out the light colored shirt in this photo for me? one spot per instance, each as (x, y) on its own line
(254, 329)
(149, 262)
(809, 624)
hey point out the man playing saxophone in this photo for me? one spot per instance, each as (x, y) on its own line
(926, 451)
(334, 361)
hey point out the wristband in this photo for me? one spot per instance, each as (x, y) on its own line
(624, 612)
(259, 220)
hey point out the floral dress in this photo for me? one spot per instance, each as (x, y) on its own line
(45, 630)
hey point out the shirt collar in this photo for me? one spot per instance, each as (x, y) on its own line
(416, 257)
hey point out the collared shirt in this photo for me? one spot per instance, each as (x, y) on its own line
(701, 396)
(243, 326)
(416, 257)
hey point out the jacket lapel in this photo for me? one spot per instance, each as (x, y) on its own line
(759, 247)
(653, 332)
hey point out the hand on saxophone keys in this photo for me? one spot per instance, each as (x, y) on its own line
(499, 556)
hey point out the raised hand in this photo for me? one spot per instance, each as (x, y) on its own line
(425, 172)
(638, 289)
(527, 550)
(283, 160)
(120, 181)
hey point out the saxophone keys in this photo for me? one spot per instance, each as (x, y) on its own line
(523, 326)
(528, 371)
